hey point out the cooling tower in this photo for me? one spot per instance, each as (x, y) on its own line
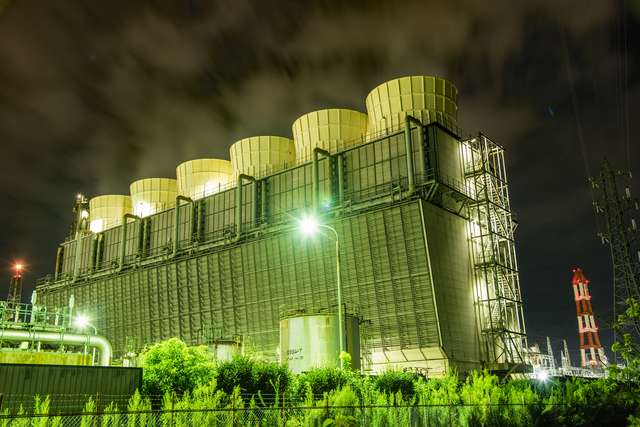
(203, 177)
(423, 97)
(329, 130)
(153, 195)
(107, 211)
(259, 154)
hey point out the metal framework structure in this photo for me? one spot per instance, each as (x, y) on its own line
(492, 225)
(620, 238)
(586, 323)
(544, 365)
(15, 289)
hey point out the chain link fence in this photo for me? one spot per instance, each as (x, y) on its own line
(240, 411)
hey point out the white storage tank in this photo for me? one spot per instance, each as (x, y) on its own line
(107, 211)
(329, 130)
(310, 337)
(423, 97)
(259, 154)
(151, 195)
(203, 177)
(224, 349)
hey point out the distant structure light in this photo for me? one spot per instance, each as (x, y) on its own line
(544, 375)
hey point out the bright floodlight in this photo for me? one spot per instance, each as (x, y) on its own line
(308, 225)
(543, 375)
(81, 321)
(19, 266)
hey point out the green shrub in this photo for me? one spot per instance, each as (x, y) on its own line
(171, 366)
(394, 380)
(252, 376)
(324, 379)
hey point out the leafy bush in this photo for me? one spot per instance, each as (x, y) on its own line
(252, 376)
(324, 379)
(393, 380)
(171, 366)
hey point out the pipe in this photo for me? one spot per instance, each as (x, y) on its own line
(409, 149)
(93, 341)
(58, 259)
(239, 203)
(177, 219)
(145, 236)
(200, 224)
(432, 141)
(94, 248)
(124, 237)
(76, 267)
(341, 177)
(316, 178)
(99, 251)
(265, 205)
(255, 204)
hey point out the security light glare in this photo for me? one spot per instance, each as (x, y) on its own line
(82, 321)
(308, 225)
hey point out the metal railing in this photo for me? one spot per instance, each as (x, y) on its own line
(33, 316)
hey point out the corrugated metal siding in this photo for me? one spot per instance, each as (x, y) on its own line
(453, 278)
(66, 385)
(449, 152)
(240, 288)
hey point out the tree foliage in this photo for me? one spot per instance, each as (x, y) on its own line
(171, 366)
(624, 379)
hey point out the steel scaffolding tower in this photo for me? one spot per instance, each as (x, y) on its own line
(15, 288)
(492, 224)
(620, 238)
(13, 299)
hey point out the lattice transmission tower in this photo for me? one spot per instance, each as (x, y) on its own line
(620, 238)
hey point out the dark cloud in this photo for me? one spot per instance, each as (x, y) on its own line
(94, 96)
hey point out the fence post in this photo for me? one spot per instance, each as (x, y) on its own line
(327, 399)
(449, 397)
(173, 395)
(489, 406)
(284, 415)
(424, 410)
(95, 417)
(397, 411)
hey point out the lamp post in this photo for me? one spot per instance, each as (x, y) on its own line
(308, 226)
(81, 322)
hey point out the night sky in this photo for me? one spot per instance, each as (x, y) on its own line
(96, 95)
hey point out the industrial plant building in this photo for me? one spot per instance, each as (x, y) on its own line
(421, 212)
